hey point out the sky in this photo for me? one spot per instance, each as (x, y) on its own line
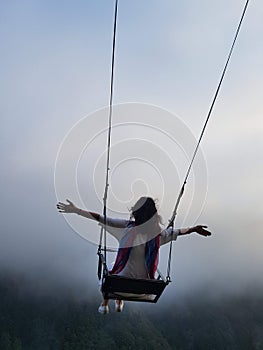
(55, 81)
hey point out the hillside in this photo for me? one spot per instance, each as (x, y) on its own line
(46, 323)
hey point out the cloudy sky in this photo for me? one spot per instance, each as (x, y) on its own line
(55, 73)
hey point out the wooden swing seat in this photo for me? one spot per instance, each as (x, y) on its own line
(132, 289)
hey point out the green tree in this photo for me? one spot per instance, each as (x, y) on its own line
(16, 344)
(5, 341)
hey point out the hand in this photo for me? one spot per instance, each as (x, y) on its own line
(67, 208)
(200, 229)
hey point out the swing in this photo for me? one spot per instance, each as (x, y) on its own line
(131, 289)
(134, 289)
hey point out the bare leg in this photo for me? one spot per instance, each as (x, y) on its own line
(104, 307)
(105, 302)
(119, 305)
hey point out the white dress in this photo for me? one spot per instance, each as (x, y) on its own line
(135, 266)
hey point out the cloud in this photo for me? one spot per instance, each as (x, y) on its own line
(54, 75)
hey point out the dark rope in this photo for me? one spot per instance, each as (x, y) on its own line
(103, 229)
(171, 222)
(209, 112)
(168, 278)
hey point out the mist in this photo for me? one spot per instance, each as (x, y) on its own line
(38, 246)
(55, 74)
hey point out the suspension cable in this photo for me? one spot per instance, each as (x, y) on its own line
(171, 221)
(103, 228)
(209, 112)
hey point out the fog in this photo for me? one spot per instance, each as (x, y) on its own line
(55, 76)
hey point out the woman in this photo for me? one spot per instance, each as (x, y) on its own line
(139, 240)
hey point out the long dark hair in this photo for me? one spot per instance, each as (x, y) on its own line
(146, 216)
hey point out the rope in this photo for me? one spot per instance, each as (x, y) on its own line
(103, 229)
(171, 222)
(209, 112)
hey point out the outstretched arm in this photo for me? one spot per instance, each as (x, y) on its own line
(174, 233)
(200, 229)
(71, 208)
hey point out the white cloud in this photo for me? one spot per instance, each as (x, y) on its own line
(56, 72)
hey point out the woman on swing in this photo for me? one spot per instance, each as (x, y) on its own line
(139, 240)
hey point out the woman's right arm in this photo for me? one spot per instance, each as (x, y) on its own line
(169, 233)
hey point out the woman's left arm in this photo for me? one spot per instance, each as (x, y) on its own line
(72, 208)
